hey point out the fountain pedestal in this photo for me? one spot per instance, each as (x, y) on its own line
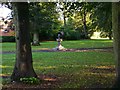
(59, 47)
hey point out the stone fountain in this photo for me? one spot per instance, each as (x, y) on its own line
(59, 40)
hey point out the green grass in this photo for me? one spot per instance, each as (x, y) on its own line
(88, 43)
(66, 44)
(74, 69)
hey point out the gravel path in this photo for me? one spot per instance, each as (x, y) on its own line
(105, 49)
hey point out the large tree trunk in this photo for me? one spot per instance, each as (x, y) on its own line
(116, 34)
(23, 66)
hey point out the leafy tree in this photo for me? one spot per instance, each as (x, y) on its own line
(82, 8)
(23, 65)
(44, 19)
(95, 16)
(72, 32)
(101, 18)
(34, 20)
(80, 13)
(65, 9)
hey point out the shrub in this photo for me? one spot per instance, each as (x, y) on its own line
(30, 80)
(7, 39)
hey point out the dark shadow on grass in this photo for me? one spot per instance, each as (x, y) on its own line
(103, 69)
(46, 81)
(103, 49)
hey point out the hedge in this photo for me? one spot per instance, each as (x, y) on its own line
(7, 39)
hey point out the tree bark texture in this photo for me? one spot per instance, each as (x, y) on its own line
(23, 66)
(116, 34)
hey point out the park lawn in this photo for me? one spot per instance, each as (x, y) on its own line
(75, 44)
(72, 69)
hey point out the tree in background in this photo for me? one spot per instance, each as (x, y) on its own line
(79, 20)
(34, 21)
(44, 20)
(23, 65)
(93, 17)
(79, 13)
(65, 9)
(102, 18)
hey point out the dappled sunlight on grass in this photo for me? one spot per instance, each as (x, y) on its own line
(4, 75)
(43, 67)
(43, 48)
(50, 79)
(70, 69)
(1, 66)
(105, 67)
(101, 74)
(88, 79)
(80, 74)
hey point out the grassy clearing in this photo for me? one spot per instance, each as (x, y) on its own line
(72, 69)
(77, 69)
(66, 44)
